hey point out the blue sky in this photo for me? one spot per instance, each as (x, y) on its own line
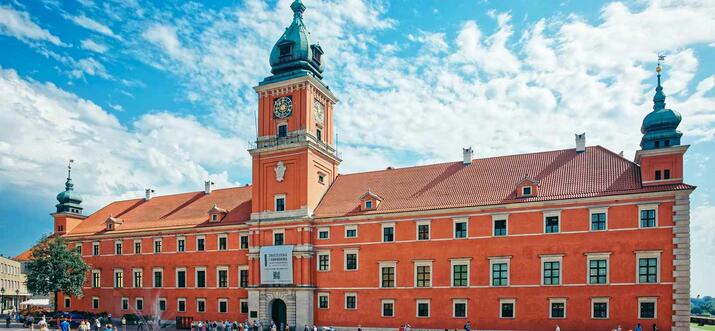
(158, 94)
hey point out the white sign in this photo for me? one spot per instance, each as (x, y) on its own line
(277, 264)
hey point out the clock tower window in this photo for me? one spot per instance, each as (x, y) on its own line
(282, 130)
(319, 134)
(280, 202)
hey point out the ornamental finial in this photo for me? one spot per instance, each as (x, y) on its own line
(659, 98)
(68, 184)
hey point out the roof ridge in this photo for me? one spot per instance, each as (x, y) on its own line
(180, 193)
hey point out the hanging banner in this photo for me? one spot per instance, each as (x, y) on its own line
(277, 265)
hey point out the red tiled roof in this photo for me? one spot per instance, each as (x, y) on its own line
(177, 210)
(562, 174)
(24, 256)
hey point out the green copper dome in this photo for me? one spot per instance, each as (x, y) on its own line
(293, 55)
(69, 200)
(660, 126)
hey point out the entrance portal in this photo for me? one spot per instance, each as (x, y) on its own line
(278, 313)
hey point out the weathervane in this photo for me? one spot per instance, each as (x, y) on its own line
(660, 58)
(69, 168)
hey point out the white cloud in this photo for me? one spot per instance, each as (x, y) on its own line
(703, 249)
(18, 24)
(90, 67)
(163, 151)
(94, 46)
(165, 38)
(93, 25)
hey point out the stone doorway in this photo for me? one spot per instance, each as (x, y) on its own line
(279, 313)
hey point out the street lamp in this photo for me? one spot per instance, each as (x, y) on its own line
(2, 299)
(17, 300)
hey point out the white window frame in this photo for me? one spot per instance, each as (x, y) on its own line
(382, 232)
(278, 128)
(646, 255)
(240, 304)
(323, 229)
(608, 308)
(140, 270)
(114, 274)
(178, 300)
(602, 210)
(457, 220)
(345, 259)
(382, 307)
(197, 305)
(99, 248)
(278, 231)
(95, 299)
(369, 204)
(382, 264)
(161, 244)
(179, 238)
(134, 246)
(513, 303)
(523, 190)
(351, 294)
(317, 261)
(201, 237)
(228, 276)
(452, 263)
(67, 302)
(275, 202)
(454, 308)
(552, 213)
(196, 277)
(214, 218)
(158, 304)
(240, 239)
(417, 230)
(241, 268)
(557, 300)
(99, 278)
(176, 277)
(653, 300)
(218, 305)
(650, 206)
(153, 277)
(121, 251)
(500, 217)
(417, 308)
(598, 256)
(351, 227)
(218, 241)
(496, 260)
(422, 263)
(553, 258)
(121, 303)
(327, 299)
(137, 300)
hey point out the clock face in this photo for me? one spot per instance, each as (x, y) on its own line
(318, 111)
(282, 107)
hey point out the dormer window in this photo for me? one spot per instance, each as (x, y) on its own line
(112, 223)
(285, 49)
(368, 204)
(216, 214)
(526, 190)
(316, 57)
(110, 226)
(317, 52)
(214, 218)
(527, 187)
(369, 201)
(282, 130)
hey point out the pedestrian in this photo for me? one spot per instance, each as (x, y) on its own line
(655, 328)
(65, 325)
(638, 327)
(7, 321)
(619, 328)
(140, 324)
(108, 327)
(558, 328)
(97, 324)
(359, 327)
(124, 323)
(468, 326)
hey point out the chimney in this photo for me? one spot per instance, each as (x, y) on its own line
(148, 192)
(207, 186)
(467, 155)
(581, 142)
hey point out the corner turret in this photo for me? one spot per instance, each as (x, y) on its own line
(69, 207)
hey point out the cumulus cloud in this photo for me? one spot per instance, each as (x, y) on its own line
(18, 24)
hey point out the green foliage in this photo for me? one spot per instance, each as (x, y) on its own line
(54, 268)
(702, 306)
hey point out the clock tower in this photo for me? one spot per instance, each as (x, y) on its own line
(294, 160)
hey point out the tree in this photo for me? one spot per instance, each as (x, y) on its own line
(54, 268)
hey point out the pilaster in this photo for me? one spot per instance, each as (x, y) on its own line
(681, 262)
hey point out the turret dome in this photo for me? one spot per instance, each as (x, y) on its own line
(69, 200)
(659, 127)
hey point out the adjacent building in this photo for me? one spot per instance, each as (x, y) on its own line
(12, 285)
(579, 237)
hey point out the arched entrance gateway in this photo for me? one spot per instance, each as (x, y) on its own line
(279, 312)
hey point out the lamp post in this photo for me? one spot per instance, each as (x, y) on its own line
(17, 300)
(2, 299)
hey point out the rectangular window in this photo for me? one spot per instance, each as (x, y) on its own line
(552, 272)
(223, 277)
(351, 231)
(200, 244)
(387, 276)
(95, 303)
(388, 233)
(368, 204)
(161, 304)
(201, 278)
(499, 228)
(181, 305)
(244, 306)
(648, 218)
(280, 203)
(422, 308)
(222, 243)
(598, 221)
(424, 275)
(460, 275)
(95, 249)
(666, 174)
(157, 246)
(598, 271)
(244, 242)
(558, 308)
(500, 274)
(222, 305)
(526, 191)
(137, 247)
(646, 308)
(78, 249)
(351, 261)
(181, 278)
(323, 233)
(507, 308)
(96, 281)
(552, 224)
(319, 134)
(200, 305)
(460, 229)
(657, 175)
(648, 270)
(137, 278)
(118, 248)
(423, 231)
(67, 302)
(243, 278)
(459, 308)
(181, 245)
(139, 304)
(158, 278)
(599, 308)
(282, 129)
(125, 303)
(118, 278)
(324, 262)
(278, 238)
(323, 301)
(388, 308)
(350, 301)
